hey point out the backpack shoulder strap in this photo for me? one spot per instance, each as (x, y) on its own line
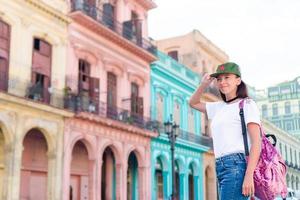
(244, 128)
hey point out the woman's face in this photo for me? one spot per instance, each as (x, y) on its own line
(228, 83)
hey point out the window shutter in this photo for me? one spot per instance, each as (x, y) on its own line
(140, 106)
(46, 85)
(3, 74)
(127, 29)
(94, 88)
(108, 15)
(138, 33)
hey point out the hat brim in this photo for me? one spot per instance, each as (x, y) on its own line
(215, 75)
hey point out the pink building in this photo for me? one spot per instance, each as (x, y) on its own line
(107, 143)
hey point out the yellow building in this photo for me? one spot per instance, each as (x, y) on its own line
(33, 43)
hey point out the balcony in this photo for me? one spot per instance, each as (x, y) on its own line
(34, 92)
(124, 34)
(198, 139)
(77, 104)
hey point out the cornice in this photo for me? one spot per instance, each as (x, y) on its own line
(51, 11)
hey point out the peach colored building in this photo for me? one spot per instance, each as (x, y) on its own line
(198, 53)
(107, 143)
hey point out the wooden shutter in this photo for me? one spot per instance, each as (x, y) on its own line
(3, 74)
(140, 106)
(127, 29)
(4, 54)
(111, 90)
(84, 75)
(108, 15)
(94, 91)
(138, 25)
(46, 86)
(4, 40)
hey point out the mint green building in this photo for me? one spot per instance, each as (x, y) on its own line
(172, 84)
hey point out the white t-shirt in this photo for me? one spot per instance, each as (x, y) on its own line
(226, 125)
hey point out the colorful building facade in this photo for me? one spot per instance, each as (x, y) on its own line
(107, 143)
(171, 86)
(198, 53)
(280, 104)
(33, 46)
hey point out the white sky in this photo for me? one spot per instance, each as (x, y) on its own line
(262, 36)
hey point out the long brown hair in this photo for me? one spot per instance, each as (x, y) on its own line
(241, 92)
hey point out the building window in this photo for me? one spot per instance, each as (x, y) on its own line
(289, 125)
(264, 109)
(41, 70)
(295, 157)
(4, 54)
(173, 54)
(177, 112)
(112, 91)
(160, 107)
(291, 154)
(275, 109)
(285, 150)
(287, 107)
(191, 120)
(137, 105)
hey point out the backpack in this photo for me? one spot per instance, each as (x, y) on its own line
(270, 172)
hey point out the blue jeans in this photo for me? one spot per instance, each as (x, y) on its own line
(230, 174)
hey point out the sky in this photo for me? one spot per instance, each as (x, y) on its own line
(262, 36)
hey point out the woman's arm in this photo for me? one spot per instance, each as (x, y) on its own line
(195, 101)
(254, 133)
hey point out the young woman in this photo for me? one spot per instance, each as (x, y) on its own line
(234, 174)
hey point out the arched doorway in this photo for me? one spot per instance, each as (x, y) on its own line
(132, 177)
(159, 180)
(2, 162)
(108, 178)
(177, 181)
(210, 183)
(79, 181)
(191, 183)
(34, 166)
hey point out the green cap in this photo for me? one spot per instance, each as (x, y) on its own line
(227, 68)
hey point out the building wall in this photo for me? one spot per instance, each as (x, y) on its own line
(286, 96)
(173, 82)
(107, 140)
(195, 51)
(21, 116)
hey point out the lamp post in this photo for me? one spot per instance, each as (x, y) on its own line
(170, 130)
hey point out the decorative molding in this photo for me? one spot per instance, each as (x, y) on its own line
(51, 11)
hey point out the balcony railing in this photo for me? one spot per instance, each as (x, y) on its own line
(125, 29)
(188, 136)
(34, 92)
(79, 103)
(198, 139)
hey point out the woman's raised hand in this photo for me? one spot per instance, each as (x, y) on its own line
(206, 80)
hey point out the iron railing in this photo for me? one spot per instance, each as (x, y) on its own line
(198, 139)
(125, 29)
(80, 103)
(34, 92)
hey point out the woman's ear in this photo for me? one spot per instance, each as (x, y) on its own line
(239, 81)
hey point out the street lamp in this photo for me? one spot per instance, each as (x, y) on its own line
(171, 130)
